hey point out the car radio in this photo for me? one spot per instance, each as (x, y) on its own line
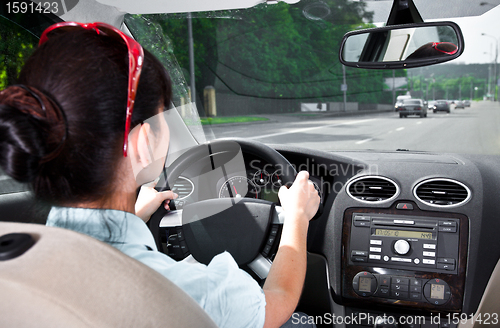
(405, 257)
(421, 243)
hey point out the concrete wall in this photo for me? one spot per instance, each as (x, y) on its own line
(233, 105)
(339, 106)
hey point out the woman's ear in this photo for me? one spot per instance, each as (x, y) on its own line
(144, 149)
(148, 149)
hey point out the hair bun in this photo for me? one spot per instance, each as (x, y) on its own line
(32, 131)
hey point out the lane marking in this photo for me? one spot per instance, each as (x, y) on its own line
(310, 129)
(363, 141)
(400, 129)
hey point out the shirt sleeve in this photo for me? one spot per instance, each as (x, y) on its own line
(234, 297)
(230, 296)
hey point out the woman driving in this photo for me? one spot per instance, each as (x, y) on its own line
(85, 127)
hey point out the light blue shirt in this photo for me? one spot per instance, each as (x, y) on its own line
(228, 294)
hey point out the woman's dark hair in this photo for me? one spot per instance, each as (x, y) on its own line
(86, 75)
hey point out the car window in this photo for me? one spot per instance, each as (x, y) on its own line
(412, 102)
(16, 45)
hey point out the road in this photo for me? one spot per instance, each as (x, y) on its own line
(473, 130)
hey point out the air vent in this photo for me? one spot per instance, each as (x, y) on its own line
(442, 192)
(372, 189)
(183, 187)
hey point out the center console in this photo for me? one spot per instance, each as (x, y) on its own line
(404, 256)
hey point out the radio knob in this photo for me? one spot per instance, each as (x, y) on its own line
(402, 247)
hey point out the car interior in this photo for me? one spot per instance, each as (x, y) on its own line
(403, 237)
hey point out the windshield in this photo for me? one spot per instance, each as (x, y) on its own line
(271, 73)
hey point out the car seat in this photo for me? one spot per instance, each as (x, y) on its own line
(53, 277)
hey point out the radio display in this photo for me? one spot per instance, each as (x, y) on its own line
(404, 234)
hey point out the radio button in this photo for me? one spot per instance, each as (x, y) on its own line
(415, 289)
(429, 246)
(448, 224)
(375, 242)
(404, 206)
(375, 249)
(359, 253)
(430, 254)
(375, 257)
(386, 258)
(359, 258)
(446, 260)
(383, 291)
(399, 287)
(401, 247)
(449, 267)
(384, 280)
(361, 223)
(416, 282)
(400, 281)
(399, 295)
(415, 296)
(447, 229)
(427, 261)
(400, 259)
(404, 222)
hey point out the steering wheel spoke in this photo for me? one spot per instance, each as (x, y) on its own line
(262, 263)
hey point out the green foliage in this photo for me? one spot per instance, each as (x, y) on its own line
(151, 36)
(15, 47)
(442, 87)
(231, 119)
(276, 51)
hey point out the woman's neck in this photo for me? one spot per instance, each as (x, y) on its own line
(122, 197)
(119, 200)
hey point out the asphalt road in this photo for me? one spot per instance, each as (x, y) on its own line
(473, 130)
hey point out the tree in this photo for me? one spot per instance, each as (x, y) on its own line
(16, 44)
(276, 51)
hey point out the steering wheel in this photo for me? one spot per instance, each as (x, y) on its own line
(247, 228)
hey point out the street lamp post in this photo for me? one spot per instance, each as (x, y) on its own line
(191, 58)
(495, 79)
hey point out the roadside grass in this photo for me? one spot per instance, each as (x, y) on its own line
(231, 119)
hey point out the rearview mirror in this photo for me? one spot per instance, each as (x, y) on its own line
(402, 46)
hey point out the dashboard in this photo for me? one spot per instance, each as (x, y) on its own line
(251, 177)
(397, 233)
(406, 233)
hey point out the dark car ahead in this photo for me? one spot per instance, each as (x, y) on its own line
(441, 105)
(412, 107)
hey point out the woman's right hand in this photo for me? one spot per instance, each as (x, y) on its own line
(301, 199)
(286, 278)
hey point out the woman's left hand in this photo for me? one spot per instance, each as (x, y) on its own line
(149, 200)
